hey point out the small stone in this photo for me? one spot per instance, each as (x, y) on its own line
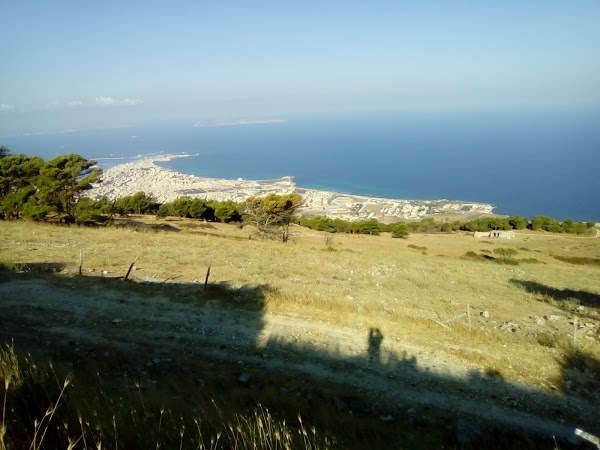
(386, 419)
(485, 314)
(117, 321)
(243, 378)
(156, 360)
(510, 326)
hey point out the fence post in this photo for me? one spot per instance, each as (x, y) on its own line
(131, 267)
(469, 315)
(575, 332)
(206, 279)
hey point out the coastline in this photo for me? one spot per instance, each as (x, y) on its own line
(166, 185)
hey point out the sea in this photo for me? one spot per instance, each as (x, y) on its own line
(526, 162)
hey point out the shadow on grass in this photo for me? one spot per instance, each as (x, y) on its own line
(136, 347)
(585, 298)
(143, 226)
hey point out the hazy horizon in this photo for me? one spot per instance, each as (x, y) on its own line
(73, 65)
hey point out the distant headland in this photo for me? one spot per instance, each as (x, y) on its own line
(166, 185)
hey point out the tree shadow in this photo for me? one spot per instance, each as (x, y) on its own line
(580, 373)
(584, 297)
(143, 226)
(186, 344)
(6, 270)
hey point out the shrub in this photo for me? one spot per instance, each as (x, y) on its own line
(505, 252)
(399, 230)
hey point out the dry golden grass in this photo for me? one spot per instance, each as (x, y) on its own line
(361, 282)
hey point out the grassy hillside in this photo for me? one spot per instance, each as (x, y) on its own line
(439, 309)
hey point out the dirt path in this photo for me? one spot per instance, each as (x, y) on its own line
(156, 328)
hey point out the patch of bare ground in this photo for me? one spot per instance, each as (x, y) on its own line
(373, 330)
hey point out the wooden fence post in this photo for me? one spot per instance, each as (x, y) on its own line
(206, 279)
(575, 332)
(469, 315)
(80, 261)
(131, 267)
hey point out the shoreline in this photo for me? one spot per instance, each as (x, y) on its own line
(166, 185)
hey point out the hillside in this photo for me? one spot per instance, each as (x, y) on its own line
(401, 342)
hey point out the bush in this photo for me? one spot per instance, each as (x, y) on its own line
(93, 211)
(505, 252)
(138, 203)
(399, 230)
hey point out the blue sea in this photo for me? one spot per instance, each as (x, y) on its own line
(525, 163)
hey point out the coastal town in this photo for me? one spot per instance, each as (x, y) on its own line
(166, 185)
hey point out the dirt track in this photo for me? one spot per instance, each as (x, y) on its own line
(158, 331)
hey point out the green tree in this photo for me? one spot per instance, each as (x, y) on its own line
(518, 223)
(19, 180)
(138, 203)
(226, 211)
(366, 226)
(62, 182)
(197, 208)
(272, 211)
(4, 151)
(446, 227)
(399, 230)
(89, 211)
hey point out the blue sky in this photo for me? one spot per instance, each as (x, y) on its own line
(78, 64)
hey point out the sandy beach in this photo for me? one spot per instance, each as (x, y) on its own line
(166, 185)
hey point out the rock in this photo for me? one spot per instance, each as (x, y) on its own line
(485, 314)
(552, 317)
(243, 378)
(156, 360)
(117, 321)
(386, 419)
(510, 326)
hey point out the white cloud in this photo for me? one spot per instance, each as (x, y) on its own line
(105, 101)
(109, 101)
(75, 104)
(4, 107)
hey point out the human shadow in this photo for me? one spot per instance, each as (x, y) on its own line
(187, 344)
(374, 344)
(584, 297)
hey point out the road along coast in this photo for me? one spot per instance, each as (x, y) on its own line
(166, 185)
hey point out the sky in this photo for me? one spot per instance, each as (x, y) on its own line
(77, 64)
